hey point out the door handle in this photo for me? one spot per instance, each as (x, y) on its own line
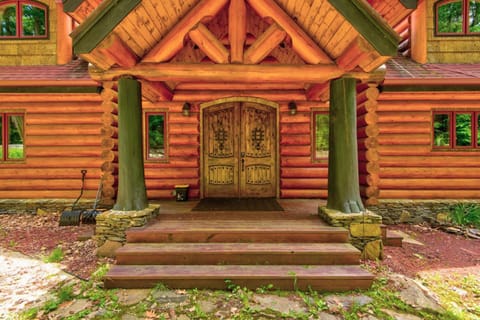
(243, 164)
(242, 154)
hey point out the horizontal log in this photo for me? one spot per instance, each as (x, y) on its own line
(295, 150)
(437, 96)
(48, 184)
(109, 167)
(369, 155)
(85, 140)
(47, 194)
(404, 117)
(179, 118)
(109, 156)
(183, 151)
(59, 162)
(430, 172)
(53, 151)
(63, 130)
(299, 162)
(369, 192)
(430, 184)
(371, 131)
(109, 192)
(369, 94)
(67, 119)
(109, 132)
(222, 86)
(367, 120)
(408, 128)
(169, 184)
(204, 95)
(304, 172)
(108, 119)
(183, 128)
(183, 140)
(418, 106)
(404, 150)
(50, 97)
(367, 107)
(52, 173)
(405, 139)
(372, 201)
(431, 161)
(175, 162)
(303, 194)
(295, 128)
(109, 144)
(303, 184)
(295, 140)
(369, 179)
(172, 173)
(298, 118)
(429, 194)
(368, 167)
(47, 107)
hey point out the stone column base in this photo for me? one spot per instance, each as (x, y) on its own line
(364, 228)
(112, 224)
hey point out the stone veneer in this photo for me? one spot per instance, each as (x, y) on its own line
(365, 229)
(112, 224)
(30, 206)
(413, 211)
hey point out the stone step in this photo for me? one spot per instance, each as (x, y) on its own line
(238, 253)
(393, 239)
(283, 277)
(230, 230)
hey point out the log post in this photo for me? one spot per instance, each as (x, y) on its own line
(132, 194)
(343, 182)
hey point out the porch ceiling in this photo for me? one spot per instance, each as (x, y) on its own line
(178, 44)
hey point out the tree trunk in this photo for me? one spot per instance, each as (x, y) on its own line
(132, 194)
(343, 185)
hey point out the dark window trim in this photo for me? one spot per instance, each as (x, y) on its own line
(322, 160)
(453, 132)
(146, 138)
(19, 28)
(4, 138)
(465, 19)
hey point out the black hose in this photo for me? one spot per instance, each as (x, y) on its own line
(83, 172)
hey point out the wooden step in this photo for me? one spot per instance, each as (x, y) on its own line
(307, 230)
(238, 253)
(393, 239)
(322, 278)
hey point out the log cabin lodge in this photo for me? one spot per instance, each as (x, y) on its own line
(241, 99)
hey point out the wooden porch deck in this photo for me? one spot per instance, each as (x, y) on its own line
(291, 249)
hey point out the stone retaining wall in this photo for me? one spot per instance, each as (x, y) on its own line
(30, 206)
(413, 211)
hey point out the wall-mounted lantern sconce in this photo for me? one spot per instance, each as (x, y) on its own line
(292, 107)
(186, 109)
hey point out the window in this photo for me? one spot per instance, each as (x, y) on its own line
(457, 17)
(456, 129)
(155, 137)
(11, 137)
(321, 125)
(23, 19)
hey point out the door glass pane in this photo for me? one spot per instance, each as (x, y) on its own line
(450, 18)
(474, 16)
(441, 130)
(321, 135)
(15, 137)
(8, 20)
(33, 20)
(156, 136)
(463, 129)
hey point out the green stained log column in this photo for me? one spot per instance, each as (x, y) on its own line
(132, 194)
(343, 185)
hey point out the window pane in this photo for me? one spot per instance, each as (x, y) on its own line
(8, 20)
(449, 17)
(1, 138)
(33, 20)
(441, 130)
(321, 135)
(474, 16)
(15, 137)
(156, 136)
(463, 129)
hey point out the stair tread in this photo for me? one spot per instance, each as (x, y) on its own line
(393, 234)
(237, 272)
(234, 248)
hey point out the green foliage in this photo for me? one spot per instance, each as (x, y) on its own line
(321, 134)
(465, 214)
(33, 20)
(29, 314)
(441, 127)
(55, 256)
(156, 131)
(450, 17)
(8, 21)
(463, 129)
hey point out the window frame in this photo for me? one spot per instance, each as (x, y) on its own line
(146, 137)
(465, 19)
(452, 114)
(19, 19)
(4, 137)
(315, 112)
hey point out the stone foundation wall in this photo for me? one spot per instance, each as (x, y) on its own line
(30, 206)
(413, 211)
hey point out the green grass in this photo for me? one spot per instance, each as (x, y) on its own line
(465, 214)
(55, 256)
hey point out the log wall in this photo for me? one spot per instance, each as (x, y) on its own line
(449, 49)
(409, 169)
(62, 137)
(35, 51)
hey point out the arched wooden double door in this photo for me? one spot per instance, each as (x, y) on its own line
(239, 150)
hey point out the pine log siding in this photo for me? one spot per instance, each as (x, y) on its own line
(27, 52)
(62, 137)
(449, 49)
(409, 168)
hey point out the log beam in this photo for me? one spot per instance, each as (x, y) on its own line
(209, 44)
(302, 44)
(267, 41)
(64, 42)
(156, 91)
(237, 29)
(114, 48)
(172, 43)
(319, 91)
(223, 72)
